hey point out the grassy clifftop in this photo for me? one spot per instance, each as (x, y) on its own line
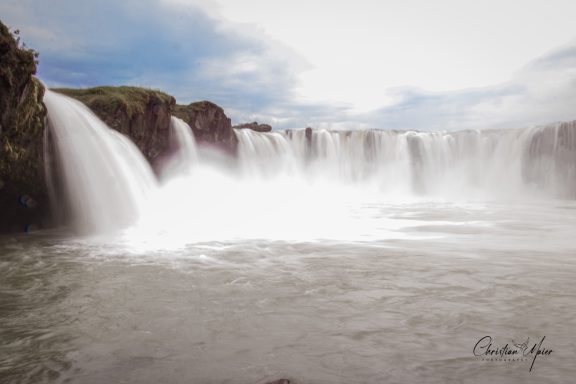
(130, 100)
(140, 113)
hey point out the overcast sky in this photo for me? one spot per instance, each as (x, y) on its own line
(411, 64)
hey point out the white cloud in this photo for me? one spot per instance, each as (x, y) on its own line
(359, 49)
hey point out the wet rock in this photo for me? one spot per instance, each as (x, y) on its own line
(22, 116)
(210, 125)
(255, 127)
(308, 134)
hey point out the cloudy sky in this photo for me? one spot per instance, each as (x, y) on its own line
(410, 64)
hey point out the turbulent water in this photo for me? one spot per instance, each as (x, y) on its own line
(321, 257)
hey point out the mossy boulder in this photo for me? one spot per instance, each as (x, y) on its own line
(23, 195)
(141, 114)
(210, 125)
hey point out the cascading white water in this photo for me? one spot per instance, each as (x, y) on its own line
(485, 164)
(281, 177)
(105, 178)
(185, 156)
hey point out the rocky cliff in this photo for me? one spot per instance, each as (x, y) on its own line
(210, 125)
(139, 113)
(144, 116)
(23, 196)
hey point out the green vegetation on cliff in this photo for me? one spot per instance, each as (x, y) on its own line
(187, 111)
(130, 100)
(21, 135)
(141, 114)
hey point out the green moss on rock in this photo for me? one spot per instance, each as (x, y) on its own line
(130, 100)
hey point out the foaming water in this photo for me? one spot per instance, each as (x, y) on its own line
(325, 185)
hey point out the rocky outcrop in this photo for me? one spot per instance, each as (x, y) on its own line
(139, 113)
(23, 196)
(254, 126)
(210, 125)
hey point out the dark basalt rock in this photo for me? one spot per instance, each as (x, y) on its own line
(139, 113)
(255, 127)
(23, 195)
(210, 125)
(308, 134)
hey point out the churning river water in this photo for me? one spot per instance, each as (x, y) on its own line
(403, 305)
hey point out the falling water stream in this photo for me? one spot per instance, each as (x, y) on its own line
(323, 257)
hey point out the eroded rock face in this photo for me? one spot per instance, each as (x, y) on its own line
(23, 195)
(255, 127)
(139, 113)
(210, 125)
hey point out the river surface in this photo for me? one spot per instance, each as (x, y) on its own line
(404, 299)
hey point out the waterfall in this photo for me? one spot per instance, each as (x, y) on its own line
(185, 151)
(104, 178)
(482, 163)
(102, 182)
